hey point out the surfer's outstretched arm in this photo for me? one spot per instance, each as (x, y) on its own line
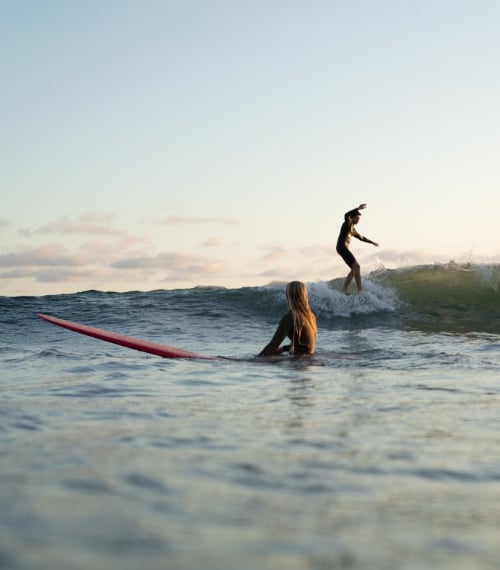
(353, 212)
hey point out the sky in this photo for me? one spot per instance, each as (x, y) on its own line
(149, 144)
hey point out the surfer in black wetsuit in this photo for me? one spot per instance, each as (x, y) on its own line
(347, 231)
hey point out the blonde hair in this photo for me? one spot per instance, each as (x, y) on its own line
(298, 302)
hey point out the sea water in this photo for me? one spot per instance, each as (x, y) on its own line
(382, 451)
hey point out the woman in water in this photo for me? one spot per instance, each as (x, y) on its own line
(299, 324)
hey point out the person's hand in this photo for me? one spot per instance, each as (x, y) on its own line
(361, 206)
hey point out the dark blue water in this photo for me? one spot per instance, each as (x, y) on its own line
(382, 451)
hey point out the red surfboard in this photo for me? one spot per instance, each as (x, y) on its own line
(128, 341)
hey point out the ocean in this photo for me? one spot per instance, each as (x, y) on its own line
(380, 452)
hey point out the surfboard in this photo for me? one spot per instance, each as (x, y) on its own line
(123, 340)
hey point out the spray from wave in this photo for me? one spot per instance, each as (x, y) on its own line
(328, 300)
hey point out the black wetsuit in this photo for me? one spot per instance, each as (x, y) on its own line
(346, 232)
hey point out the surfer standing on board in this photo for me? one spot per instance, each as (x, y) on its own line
(347, 231)
(299, 324)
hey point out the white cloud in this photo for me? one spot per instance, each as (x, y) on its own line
(88, 223)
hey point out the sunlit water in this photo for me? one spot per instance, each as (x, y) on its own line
(380, 452)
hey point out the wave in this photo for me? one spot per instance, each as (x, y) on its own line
(465, 295)
(449, 297)
(460, 286)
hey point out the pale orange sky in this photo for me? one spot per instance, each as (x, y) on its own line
(163, 145)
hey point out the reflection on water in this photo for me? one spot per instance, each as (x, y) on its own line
(378, 452)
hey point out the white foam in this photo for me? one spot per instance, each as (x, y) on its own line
(329, 302)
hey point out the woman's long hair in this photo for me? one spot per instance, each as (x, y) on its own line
(298, 302)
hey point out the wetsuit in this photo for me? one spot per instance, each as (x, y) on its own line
(346, 232)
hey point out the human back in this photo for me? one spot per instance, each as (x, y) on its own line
(304, 320)
(298, 324)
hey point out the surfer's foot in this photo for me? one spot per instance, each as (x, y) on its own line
(346, 292)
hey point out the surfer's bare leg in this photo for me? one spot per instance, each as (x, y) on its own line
(347, 282)
(356, 274)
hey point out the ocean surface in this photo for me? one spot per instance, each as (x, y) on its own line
(380, 452)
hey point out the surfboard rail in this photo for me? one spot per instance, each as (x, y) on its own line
(134, 343)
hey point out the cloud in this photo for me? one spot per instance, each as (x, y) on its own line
(109, 259)
(212, 242)
(196, 273)
(178, 266)
(182, 220)
(53, 263)
(319, 250)
(90, 223)
(276, 272)
(275, 253)
(106, 248)
(111, 256)
(59, 276)
(45, 255)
